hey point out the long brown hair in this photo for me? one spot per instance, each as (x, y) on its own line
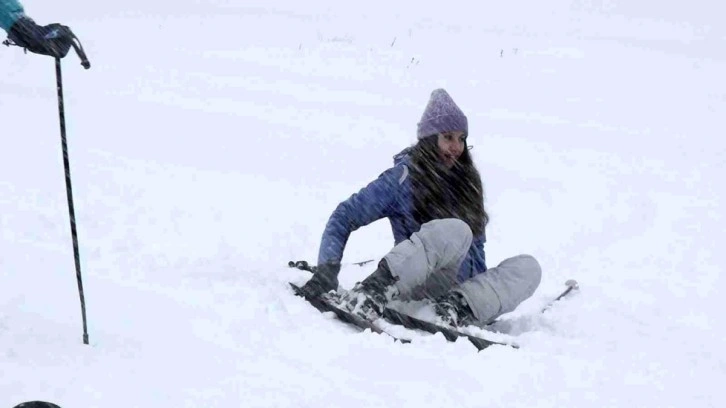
(437, 193)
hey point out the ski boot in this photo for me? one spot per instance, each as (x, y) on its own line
(453, 311)
(368, 298)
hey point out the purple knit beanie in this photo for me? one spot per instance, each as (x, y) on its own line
(441, 115)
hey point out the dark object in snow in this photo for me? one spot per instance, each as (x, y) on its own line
(36, 404)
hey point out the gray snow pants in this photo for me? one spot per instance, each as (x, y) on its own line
(428, 262)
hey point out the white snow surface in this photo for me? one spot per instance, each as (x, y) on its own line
(210, 141)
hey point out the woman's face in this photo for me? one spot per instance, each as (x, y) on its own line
(451, 146)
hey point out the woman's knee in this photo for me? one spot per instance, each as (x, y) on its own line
(452, 230)
(529, 268)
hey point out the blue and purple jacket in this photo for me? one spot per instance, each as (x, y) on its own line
(389, 196)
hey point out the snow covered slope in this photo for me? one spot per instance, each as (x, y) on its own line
(210, 141)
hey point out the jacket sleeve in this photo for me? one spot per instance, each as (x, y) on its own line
(371, 203)
(10, 11)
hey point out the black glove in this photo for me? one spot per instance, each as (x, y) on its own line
(324, 280)
(54, 39)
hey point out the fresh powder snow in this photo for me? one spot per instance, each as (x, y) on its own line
(210, 141)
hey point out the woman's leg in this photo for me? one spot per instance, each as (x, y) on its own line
(501, 289)
(426, 264)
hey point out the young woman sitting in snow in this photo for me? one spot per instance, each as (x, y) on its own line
(433, 197)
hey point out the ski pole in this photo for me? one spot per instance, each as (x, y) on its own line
(69, 193)
(571, 285)
(305, 266)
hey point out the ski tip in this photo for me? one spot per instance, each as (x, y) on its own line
(572, 283)
(295, 289)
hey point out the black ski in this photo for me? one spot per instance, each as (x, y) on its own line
(395, 317)
(450, 334)
(323, 305)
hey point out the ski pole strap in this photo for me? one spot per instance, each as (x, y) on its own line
(80, 52)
